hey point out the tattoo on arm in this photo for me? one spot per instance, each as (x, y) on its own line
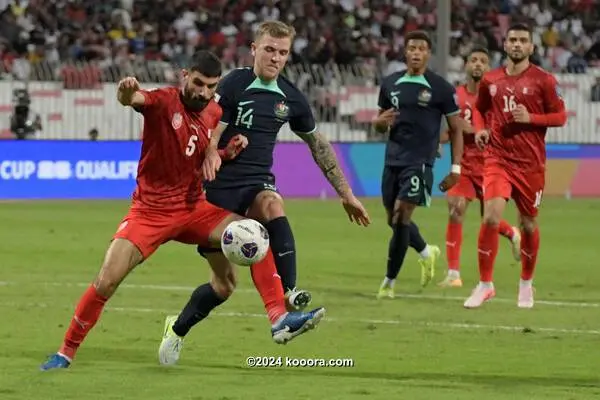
(325, 157)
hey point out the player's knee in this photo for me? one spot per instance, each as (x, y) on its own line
(224, 287)
(106, 285)
(528, 224)
(121, 258)
(492, 214)
(456, 209)
(270, 207)
(491, 219)
(402, 214)
(111, 275)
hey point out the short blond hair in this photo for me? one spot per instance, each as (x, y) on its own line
(276, 29)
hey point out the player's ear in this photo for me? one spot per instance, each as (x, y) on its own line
(184, 73)
(253, 49)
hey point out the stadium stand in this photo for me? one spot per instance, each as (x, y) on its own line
(73, 51)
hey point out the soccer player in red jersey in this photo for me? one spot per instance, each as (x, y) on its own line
(470, 184)
(169, 204)
(523, 101)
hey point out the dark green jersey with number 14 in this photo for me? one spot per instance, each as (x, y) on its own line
(257, 110)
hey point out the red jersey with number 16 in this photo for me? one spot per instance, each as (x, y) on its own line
(472, 160)
(519, 145)
(174, 139)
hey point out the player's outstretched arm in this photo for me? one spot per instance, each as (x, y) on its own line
(128, 92)
(325, 157)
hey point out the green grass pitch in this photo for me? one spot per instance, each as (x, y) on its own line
(422, 345)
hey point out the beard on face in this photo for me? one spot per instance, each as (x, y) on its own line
(517, 58)
(197, 103)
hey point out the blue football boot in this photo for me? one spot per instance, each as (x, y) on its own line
(296, 323)
(55, 361)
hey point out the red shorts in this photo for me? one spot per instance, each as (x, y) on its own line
(525, 188)
(469, 187)
(150, 228)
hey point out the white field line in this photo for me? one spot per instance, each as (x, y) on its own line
(189, 289)
(420, 324)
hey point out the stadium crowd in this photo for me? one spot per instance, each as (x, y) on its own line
(147, 37)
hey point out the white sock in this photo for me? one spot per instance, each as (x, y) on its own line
(425, 252)
(525, 284)
(453, 274)
(387, 282)
(62, 355)
(487, 285)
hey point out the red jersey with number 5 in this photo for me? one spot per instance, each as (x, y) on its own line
(173, 143)
(520, 145)
(472, 160)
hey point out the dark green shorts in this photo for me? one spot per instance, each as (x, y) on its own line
(411, 184)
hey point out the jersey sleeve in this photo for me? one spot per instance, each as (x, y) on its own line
(450, 101)
(226, 93)
(553, 101)
(384, 102)
(303, 120)
(153, 99)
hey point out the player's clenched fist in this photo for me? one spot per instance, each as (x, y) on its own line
(482, 138)
(234, 147)
(213, 157)
(449, 181)
(126, 89)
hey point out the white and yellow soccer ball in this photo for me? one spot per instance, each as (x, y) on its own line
(245, 242)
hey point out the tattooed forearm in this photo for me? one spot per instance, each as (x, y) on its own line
(325, 158)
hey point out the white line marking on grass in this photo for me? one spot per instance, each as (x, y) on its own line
(189, 289)
(422, 324)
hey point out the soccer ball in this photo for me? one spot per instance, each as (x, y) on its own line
(245, 242)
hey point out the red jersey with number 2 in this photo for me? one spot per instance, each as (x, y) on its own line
(472, 160)
(518, 145)
(173, 143)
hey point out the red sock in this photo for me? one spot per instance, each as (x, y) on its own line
(453, 244)
(530, 244)
(505, 229)
(487, 248)
(268, 284)
(86, 315)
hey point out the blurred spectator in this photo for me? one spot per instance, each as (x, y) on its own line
(46, 39)
(93, 134)
(595, 92)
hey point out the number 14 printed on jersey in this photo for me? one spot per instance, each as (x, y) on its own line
(244, 117)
